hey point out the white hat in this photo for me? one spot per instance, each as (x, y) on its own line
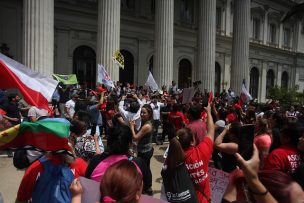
(220, 123)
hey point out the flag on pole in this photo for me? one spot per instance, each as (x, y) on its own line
(210, 98)
(50, 134)
(66, 79)
(245, 95)
(37, 90)
(119, 59)
(103, 77)
(151, 82)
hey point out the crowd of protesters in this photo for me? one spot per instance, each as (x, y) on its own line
(202, 133)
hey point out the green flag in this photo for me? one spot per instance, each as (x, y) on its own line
(66, 79)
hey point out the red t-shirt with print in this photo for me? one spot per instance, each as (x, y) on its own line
(28, 181)
(197, 160)
(285, 158)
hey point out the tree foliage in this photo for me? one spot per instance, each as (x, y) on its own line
(287, 97)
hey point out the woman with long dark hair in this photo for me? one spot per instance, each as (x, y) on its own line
(144, 137)
(227, 144)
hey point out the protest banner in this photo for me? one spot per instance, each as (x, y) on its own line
(218, 184)
(188, 94)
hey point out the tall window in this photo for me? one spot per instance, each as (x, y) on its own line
(269, 82)
(218, 18)
(128, 5)
(272, 33)
(287, 37)
(217, 78)
(284, 80)
(151, 65)
(254, 82)
(186, 12)
(84, 65)
(153, 6)
(184, 74)
(127, 74)
(256, 24)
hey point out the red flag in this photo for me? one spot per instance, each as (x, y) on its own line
(36, 89)
(210, 99)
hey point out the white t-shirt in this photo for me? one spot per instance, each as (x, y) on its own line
(70, 105)
(131, 116)
(37, 112)
(156, 110)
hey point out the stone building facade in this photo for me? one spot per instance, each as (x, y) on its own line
(219, 42)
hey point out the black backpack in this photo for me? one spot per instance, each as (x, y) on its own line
(21, 157)
(179, 186)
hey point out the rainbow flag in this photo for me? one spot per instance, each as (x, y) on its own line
(48, 135)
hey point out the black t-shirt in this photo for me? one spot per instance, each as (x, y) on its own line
(64, 95)
(12, 111)
(166, 109)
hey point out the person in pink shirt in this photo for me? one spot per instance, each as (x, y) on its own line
(196, 125)
(262, 138)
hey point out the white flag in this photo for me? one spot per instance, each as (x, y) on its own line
(103, 77)
(151, 82)
(245, 95)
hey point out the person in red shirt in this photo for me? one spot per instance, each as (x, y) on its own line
(196, 158)
(197, 125)
(78, 167)
(177, 118)
(231, 116)
(285, 158)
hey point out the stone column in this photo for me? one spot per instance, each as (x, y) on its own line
(281, 36)
(296, 35)
(163, 60)
(38, 35)
(206, 43)
(265, 30)
(225, 83)
(279, 75)
(263, 82)
(228, 17)
(240, 45)
(108, 35)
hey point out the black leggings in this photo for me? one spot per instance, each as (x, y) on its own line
(146, 157)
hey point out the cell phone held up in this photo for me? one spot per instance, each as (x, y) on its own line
(246, 141)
